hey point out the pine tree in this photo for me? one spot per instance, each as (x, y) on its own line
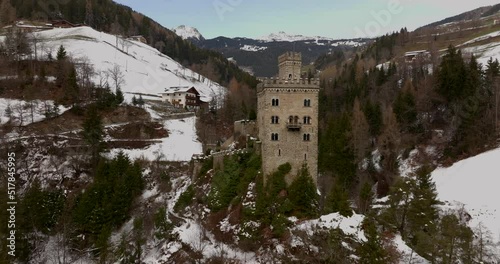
(452, 75)
(119, 96)
(360, 132)
(373, 113)
(140, 101)
(492, 68)
(338, 201)
(303, 194)
(422, 211)
(61, 53)
(405, 108)
(134, 100)
(396, 214)
(93, 133)
(72, 90)
(372, 251)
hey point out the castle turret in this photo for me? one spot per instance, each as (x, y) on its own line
(288, 119)
(290, 65)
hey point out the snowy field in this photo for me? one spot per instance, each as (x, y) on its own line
(180, 145)
(146, 69)
(474, 182)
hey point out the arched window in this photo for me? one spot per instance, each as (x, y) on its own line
(307, 120)
(296, 120)
(307, 137)
(274, 137)
(307, 102)
(275, 120)
(275, 102)
(290, 119)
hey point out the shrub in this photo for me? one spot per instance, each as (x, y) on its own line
(185, 199)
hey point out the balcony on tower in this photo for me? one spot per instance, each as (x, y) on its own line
(293, 123)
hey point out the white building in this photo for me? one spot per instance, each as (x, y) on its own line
(182, 96)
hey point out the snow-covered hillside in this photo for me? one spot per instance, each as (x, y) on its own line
(146, 69)
(474, 182)
(187, 32)
(486, 51)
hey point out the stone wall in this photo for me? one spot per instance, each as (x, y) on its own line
(245, 127)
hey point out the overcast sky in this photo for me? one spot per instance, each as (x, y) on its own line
(328, 18)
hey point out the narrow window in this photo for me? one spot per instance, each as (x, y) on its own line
(305, 156)
(279, 152)
(275, 120)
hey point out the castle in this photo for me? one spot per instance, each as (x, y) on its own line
(287, 119)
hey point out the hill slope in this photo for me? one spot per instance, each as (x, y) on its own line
(146, 69)
(474, 183)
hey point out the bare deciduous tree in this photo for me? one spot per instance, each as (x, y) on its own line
(117, 76)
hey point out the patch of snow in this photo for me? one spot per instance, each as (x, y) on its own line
(484, 52)
(481, 38)
(350, 43)
(407, 254)
(252, 48)
(349, 225)
(180, 145)
(474, 183)
(21, 111)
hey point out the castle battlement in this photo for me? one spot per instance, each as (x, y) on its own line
(290, 56)
(288, 83)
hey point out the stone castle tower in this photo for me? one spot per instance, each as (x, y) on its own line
(287, 119)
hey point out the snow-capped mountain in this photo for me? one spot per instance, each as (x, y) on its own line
(188, 33)
(283, 36)
(259, 55)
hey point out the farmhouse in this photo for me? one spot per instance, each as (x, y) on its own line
(138, 38)
(182, 96)
(418, 54)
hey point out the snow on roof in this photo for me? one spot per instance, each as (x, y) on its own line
(416, 52)
(179, 89)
